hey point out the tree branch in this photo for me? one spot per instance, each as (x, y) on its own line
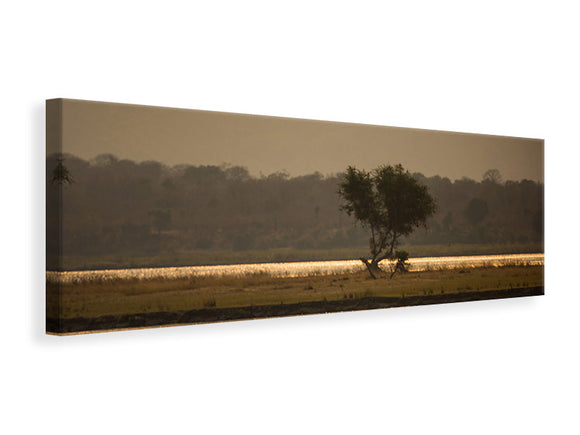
(374, 250)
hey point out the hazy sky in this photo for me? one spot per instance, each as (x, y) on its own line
(268, 144)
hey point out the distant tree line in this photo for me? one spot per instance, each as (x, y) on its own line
(120, 206)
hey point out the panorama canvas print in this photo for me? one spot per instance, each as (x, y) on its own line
(159, 216)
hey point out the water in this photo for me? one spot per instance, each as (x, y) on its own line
(293, 269)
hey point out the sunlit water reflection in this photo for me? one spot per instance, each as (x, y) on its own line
(293, 269)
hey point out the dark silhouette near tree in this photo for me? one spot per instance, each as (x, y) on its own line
(401, 264)
(390, 203)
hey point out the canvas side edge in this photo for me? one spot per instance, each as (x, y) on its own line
(53, 202)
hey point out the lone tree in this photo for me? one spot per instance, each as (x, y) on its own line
(492, 176)
(390, 203)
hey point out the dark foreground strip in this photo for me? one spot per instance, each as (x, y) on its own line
(210, 315)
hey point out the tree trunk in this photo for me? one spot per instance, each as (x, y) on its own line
(372, 267)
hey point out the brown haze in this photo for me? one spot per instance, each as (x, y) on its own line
(269, 144)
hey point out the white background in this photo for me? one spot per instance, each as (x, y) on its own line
(498, 67)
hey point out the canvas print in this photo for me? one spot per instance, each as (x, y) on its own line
(159, 216)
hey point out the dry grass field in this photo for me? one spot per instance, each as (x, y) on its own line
(121, 297)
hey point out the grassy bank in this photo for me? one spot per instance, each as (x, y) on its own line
(210, 315)
(93, 299)
(283, 255)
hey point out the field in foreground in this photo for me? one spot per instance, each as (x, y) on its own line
(138, 303)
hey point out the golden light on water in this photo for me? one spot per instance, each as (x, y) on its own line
(292, 269)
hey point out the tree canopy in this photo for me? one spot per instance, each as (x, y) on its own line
(390, 203)
(492, 176)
